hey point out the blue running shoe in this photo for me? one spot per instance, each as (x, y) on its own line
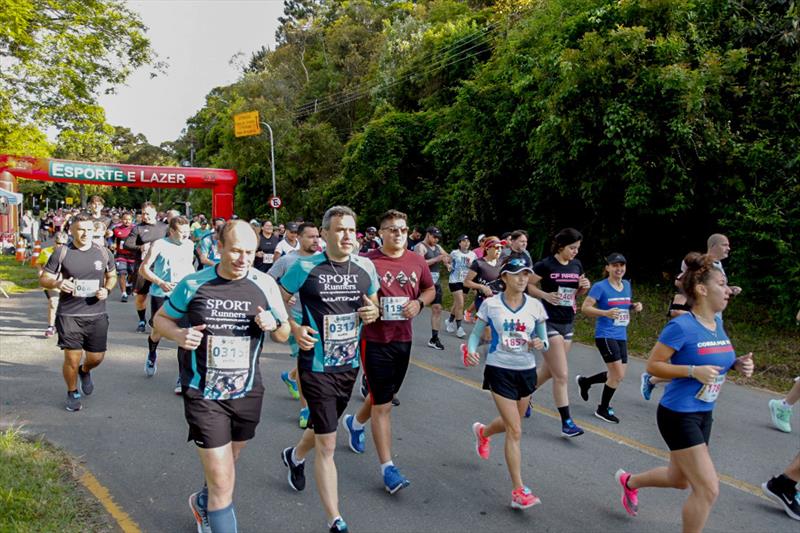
(141, 327)
(393, 480)
(356, 436)
(150, 365)
(647, 387)
(569, 429)
(338, 526)
(303, 420)
(291, 385)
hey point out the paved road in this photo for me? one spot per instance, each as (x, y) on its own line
(132, 435)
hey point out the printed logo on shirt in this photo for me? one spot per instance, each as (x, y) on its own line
(98, 265)
(511, 325)
(565, 276)
(712, 347)
(402, 279)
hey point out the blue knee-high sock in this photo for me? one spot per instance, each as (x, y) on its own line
(223, 520)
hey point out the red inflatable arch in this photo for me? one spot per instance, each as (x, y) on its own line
(221, 182)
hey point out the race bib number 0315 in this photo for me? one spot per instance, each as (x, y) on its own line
(227, 367)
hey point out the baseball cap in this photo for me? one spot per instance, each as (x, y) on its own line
(292, 226)
(616, 258)
(491, 241)
(371, 229)
(516, 264)
(481, 237)
(255, 222)
(433, 230)
(464, 237)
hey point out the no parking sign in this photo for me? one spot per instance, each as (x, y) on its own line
(275, 202)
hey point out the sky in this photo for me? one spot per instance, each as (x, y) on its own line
(197, 38)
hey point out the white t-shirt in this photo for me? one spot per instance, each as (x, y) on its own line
(460, 262)
(284, 247)
(511, 330)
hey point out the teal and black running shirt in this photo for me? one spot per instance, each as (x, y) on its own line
(225, 365)
(330, 295)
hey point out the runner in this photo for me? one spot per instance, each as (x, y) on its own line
(166, 263)
(415, 237)
(484, 273)
(229, 308)
(125, 259)
(138, 241)
(562, 281)
(406, 287)
(510, 372)
(267, 242)
(696, 354)
(308, 235)
(289, 242)
(517, 245)
(460, 259)
(434, 254)
(783, 488)
(610, 301)
(208, 245)
(96, 206)
(52, 294)
(84, 274)
(371, 241)
(338, 290)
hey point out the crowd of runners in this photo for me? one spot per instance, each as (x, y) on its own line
(344, 302)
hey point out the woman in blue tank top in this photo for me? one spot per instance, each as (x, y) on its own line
(695, 353)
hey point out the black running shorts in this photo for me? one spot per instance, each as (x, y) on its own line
(215, 423)
(438, 298)
(327, 395)
(141, 285)
(511, 384)
(559, 328)
(683, 430)
(458, 287)
(155, 304)
(385, 365)
(88, 333)
(612, 350)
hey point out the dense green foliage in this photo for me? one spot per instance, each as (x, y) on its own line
(647, 124)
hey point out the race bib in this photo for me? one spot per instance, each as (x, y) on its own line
(514, 341)
(227, 367)
(709, 393)
(341, 339)
(393, 307)
(623, 319)
(435, 277)
(566, 296)
(86, 288)
(269, 258)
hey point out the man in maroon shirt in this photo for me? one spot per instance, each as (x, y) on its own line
(406, 286)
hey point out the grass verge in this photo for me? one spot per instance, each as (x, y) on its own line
(776, 350)
(39, 490)
(17, 277)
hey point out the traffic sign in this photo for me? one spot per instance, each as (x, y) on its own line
(246, 124)
(69, 200)
(275, 202)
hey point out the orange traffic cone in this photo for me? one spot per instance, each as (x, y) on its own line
(37, 249)
(21, 250)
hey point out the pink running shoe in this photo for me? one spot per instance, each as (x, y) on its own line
(481, 442)
(630, 497)
(522, 498)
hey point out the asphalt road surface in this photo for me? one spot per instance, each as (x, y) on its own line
(131, 434)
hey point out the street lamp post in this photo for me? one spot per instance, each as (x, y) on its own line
(272, 161)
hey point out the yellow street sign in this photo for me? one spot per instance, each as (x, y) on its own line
(246, 124)
(69, 200)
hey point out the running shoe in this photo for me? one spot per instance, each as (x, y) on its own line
(522, 498)
(570, 429)
(364, 388)
(781, 416)
(124, 297)
(73, 401)
(393, 480)
(297, 473)
(87, 385)
(178, 389)
(529, 410)
(647, 387)
(435, 343)
(49, 332)
(791, 503)
(150, 364)
(200, 515)
(607, 414)
(291, 385)
(355, 436)
(142, 327)
(395, 401)
(630, 497)
(338, 526)
(582, 387)
(303, 419)
(460, 333)
(450, 326)
(482, 444)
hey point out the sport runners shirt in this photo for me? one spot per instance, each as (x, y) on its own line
(87, 268)
(225, 364)
(331, 294)
(401, 279)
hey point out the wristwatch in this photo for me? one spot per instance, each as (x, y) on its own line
(421, 304)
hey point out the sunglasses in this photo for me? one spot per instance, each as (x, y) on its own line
(396, 229)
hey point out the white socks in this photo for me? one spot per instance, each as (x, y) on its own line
(295, 460)
(356, 424)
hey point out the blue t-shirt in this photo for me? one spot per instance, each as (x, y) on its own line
(694, 344)
(607, 297)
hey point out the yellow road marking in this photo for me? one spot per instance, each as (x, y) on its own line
(631, 443)
(124, 521)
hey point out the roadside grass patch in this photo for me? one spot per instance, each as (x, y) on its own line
(17, 277)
